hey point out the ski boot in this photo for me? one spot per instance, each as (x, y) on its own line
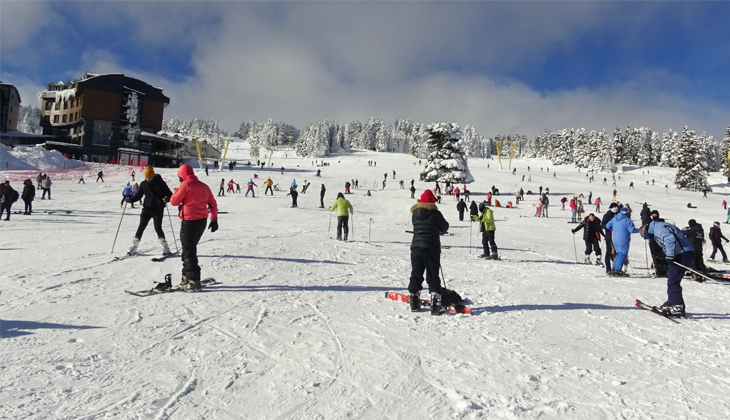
(495, 257)
(436, 308)
(598, 261)
(133, 248)
(415, 301)
(588, 260)
(165, 248)
(667, 309)
(485, 256)
(190, 285)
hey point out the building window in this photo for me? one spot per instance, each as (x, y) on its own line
(76, 117)
(64, 118)
(65, 104)
(48, 105)
(102, 133)
(58, 106)
(55, 119)
(78, 101)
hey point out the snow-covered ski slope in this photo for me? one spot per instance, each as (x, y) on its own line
(299, 327)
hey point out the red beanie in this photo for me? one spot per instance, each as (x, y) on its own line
(428, 197)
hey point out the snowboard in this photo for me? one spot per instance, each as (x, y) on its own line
(400, 297)
(164, 257)
(155, 291)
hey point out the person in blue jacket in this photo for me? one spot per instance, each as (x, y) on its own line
(127, 194)
(678, 249)
(250, 185)
(621, 228)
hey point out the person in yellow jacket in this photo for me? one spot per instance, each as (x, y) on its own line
(488, 229)
(344, 210)
(268, 184)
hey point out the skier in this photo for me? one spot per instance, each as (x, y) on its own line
(563, 201)
(590, 198)
(386, 177)
(657, 253)
(592, 233)
(156, 193)
(574, 210)
(221, 191)
(344, 210)
(677, 249)
(100, 176)
(126, 195)
(268, 184)
(461, 207)
(194, 199)
(696, 236)
(294, 183)
(81, 179)
(319, 173)
(704, 192)
(614, 195)
(321, 196)
(645, 214)
(428, 225)
(347, 188)
(610, 214)
(545, 202)
(582, 210)
(230, 186)
(621, 228)
(457, 192)
(294, 194)
(28, 195)
(716, 237)
(631, 185)
(250, 185)
(8, 196)
(401, 184)
(488, 229)
(598, 204)
(133, 175)
(47, 187)
(724, 204)
(413, 193)
(393, 174)
(206, 170)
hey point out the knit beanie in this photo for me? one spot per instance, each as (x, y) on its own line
(428, 197)
(692, 223)
(149, 172)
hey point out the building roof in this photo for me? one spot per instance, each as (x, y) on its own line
(16, 90)
(111, 82)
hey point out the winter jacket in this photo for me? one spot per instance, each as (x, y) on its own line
(193, 196)
(607, 218)
(696, 236)
(155, 192)
(645, 215)
(572, 204)
(670, 238)
(545, 200)
(716, 235)
(428, 225)
(269, 182)
(487, 220)
(47, 183)
(250, 185)
(127, 191)
(322, 191)
(461, 207)
(343, 206)
(621, 228)
(6, 194)
(539, 202)
(473, 210)
(28, 190)
(591, 230)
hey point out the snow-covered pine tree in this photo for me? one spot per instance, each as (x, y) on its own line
(644, 153)
(563, 147)
(581, 148)
(447, 162)
(725, 153)
(618, 146)
(656, 148)
(690, 168)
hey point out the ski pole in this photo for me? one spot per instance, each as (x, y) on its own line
(329, 226)
(442, 275)
(172, 229)
(693, 271)
(575, 249)
(470, 230)
(353, 224)
(120, 225)
(646, 254)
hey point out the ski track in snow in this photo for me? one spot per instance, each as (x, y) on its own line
(297, 326)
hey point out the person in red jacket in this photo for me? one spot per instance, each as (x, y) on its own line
(194, 198)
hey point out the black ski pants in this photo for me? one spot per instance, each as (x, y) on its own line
(429, 261)
(99, 178)
(675, 274)
(609, 250)
(461, 216)
(294, 201)
(144, 218)
(46, 190)
(715, 247)
(342, 225)
(5, 207)
(593, 244)
(221, 191)
(321, 200)
(190, 233)
(488, 242)
(268, 188)
(28, 206)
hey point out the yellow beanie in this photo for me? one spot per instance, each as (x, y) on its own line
(149, 172)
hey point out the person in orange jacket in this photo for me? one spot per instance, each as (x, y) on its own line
(194, 199)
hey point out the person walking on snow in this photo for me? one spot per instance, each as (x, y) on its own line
(321, 196)
(538, 207)
(473, 210)
(222, 190)
(250, 185)
(47, 187)
(488, 230)
(413, 193)
(156, 193)
(716, 238)
(428, 225)
(194, 199)
(677, 249)
(696, 236)
(592, 233)
(645, 214)
(344, 210)
(28, 195)
(100, 176)
(461, 207)
(8, 196)
(598, 204)
(545, 202)
(724, 204)
(574, 210)
(621, 228)
(39, 180)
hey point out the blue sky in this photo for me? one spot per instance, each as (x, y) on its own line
(504, 67)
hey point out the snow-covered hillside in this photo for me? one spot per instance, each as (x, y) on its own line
(32, 157)
(299, 326)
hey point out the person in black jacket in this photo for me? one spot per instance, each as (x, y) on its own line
(592, 233)
(473, 210)
(645, 214)
(294, 194)
(715, 238)
(28, 195)
(696, 236)
(461, 207)
(428, 225)
(156, 193)
(613, 209)
(8, 196)
(321, 196)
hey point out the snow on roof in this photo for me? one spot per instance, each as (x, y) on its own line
(170, 139)
(58, 143)
(133, 90)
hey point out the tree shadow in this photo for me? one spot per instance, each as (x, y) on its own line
(567, 306)
(294, 260)
(15, 328)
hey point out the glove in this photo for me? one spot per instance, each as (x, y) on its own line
(573, 230)
(213, 225)
(669, 260)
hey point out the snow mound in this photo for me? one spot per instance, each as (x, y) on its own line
(34, 157)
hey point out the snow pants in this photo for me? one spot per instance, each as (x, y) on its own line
(674, 277)
(46, 190)
(268, 188)
(253, 193)
(342, 225)
(488, 242)
(592, 244)
(321, 200)
(144, 218)
(544, 210)
(461, 216)
(5, 207)
(715, 247)
(429, 261)
(28, 206)
(221, 192)
(609, 250)
(190, 233)
(575, 215)
(618, 262)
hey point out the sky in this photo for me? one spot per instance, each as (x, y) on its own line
(503, 67)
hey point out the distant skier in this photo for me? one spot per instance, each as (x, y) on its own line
(126, 195)
(621, 228)
(222, 190)
(461, 207)
(428, 225)
(488, 230)
(156, 193)
(645, 214)
(206, 170)
(344, 210)
(81, 179)
(716, 238)
(133, 174)
(321, 196)
(592, 233)
(249, 188)
(319, 173)
(574, 210)
(598, 203)
(100, 176)
(413, 193)
(294, 194)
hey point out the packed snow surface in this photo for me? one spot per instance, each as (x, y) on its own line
(34, 157)
(299, 327)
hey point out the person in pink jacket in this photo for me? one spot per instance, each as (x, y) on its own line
(194, 198)
(538, 207)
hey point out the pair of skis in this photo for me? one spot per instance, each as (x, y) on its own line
(166, 287)
(155, 259)
(454, 309)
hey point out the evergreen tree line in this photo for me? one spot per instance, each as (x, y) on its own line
(29, 119)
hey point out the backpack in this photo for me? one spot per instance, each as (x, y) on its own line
(449, 297)
(13, 197)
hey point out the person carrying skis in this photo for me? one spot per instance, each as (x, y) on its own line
(156, 193)
(194, 199)
(321, 196)
(716, 237)
(428, 225)
(592, 233)
(621, 228)
(696, 237)
(250, 186)
(222, 190)
(294, 194)
(679, 254)
(269, 183)
(488, 230)
(28, 195)
(344, 210)
(461, 207)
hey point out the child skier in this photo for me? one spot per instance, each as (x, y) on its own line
(488, 229)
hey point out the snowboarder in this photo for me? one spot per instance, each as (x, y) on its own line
(696, 236)
(461, 207)
(344, 210)
(488, 230)
(592, 233)
(321, 196)
(47, 187)
(268, 184)
(8, 196)
(294, 194)
(222, 191)
(156, 193)
(716, 237)
(28, 195)
(428, 225)
(194, 199)
(100, 176)
(621, 228)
